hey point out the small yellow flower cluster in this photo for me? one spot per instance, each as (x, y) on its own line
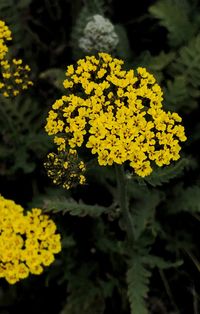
(117, 114)
(14, 75)
(27, 242)
(65, 168)
(5, 35)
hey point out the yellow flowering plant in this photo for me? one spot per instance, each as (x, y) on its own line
(5, 35)
(117, 115)
(14, 75)
(114, 116)
(126, 199)
(18, 113)
(28, 242)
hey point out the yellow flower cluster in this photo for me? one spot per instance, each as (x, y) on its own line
(5, 35)
(27, 242)
(117, 114)
(65, 168)
(14, 75)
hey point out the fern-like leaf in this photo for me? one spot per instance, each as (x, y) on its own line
(185, 199)
(174, 15)
(85, 295)
(144, 212)
(21, 144)
(138, 276)
(138, 285)
(65, 205)
(156, 63)
(159, 262)
(188, 64)
(163, 175)
(177, 95)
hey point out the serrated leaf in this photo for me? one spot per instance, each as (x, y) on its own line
(185, 199)
(143, 212)
(138, 276)
(163, 175)
(85, 295)
(177, 94)
(158, 63)
(188, 64)
(159, 262)
(174, 15)
(138, 285)
(22, 134)
(74, 208)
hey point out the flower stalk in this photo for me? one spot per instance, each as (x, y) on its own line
(124, 202)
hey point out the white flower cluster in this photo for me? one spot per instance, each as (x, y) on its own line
(98, 35)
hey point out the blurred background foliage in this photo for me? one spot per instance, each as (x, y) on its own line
(90, 275)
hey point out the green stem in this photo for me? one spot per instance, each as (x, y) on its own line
(168, 290)
(123, 201)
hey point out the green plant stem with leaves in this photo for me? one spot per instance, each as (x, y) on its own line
(124, 201)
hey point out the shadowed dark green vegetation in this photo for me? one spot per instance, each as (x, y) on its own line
(98, 271)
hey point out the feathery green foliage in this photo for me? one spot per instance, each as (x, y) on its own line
(187, 63)
(21, 127)
(100, 270)
(185, 199)
(138, 285)
(143, 212)
(74, 208)
(175, 16)
(79, 285)
(163, 175)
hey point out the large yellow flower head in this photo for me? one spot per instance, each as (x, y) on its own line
(116, 114)
(27, 242)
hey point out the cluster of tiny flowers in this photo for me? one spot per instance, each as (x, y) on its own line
(116, 114)
(65, 168)
(27, 242)
(98, 35)
(14, 76)
(5, 35)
